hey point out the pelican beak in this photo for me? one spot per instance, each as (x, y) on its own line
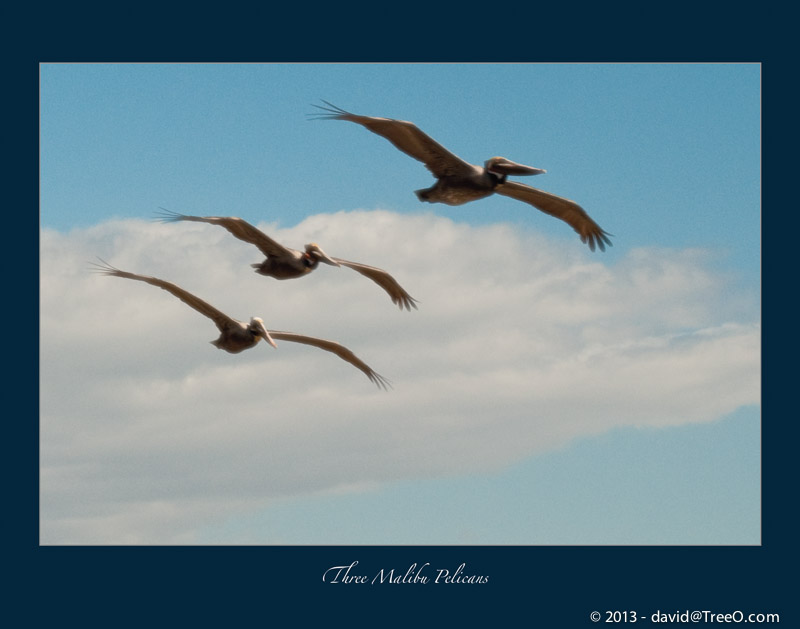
(263, 332)
(317, 251)
(503, 166)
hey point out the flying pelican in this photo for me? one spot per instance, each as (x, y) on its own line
(459, 182)
(237, 336)
(283, 263)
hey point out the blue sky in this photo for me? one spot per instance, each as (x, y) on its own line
(591, 398)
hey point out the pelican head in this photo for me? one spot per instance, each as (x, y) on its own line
(315, 251)
(502, 166)
(258, 328)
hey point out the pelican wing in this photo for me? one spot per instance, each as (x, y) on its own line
(239, 228)
(407, 137)
(222, 320)
(385, 281)
(330, 346)
(568, 211)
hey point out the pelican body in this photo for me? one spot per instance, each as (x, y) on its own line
(237, 336)
(459, 182)
(284, 263)
(294, 264)
(473, 183)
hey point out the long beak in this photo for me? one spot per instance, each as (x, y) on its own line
(265, 333)
(503, 166)
(324, 257)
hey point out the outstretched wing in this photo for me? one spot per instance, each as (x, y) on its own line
(407, 137)
(222, 320)
(568, 211)
(385, 281)
(340, 350)
(236, 226)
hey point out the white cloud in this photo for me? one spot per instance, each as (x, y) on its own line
(519, 345)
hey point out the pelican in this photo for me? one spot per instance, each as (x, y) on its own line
(283, 263)
(237, 336)
(459, 182)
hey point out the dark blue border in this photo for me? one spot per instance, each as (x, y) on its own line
(528, 586)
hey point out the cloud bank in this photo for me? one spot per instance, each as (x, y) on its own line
(520, 344)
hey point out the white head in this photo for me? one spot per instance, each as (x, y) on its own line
(316, 252)
(502, 166)
(260, 330)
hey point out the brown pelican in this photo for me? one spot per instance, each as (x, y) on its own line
(237, 336)
(459, 182)
(283, 263)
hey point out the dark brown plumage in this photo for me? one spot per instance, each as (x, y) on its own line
(237, 336)
(284, 263)
(460, 182)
